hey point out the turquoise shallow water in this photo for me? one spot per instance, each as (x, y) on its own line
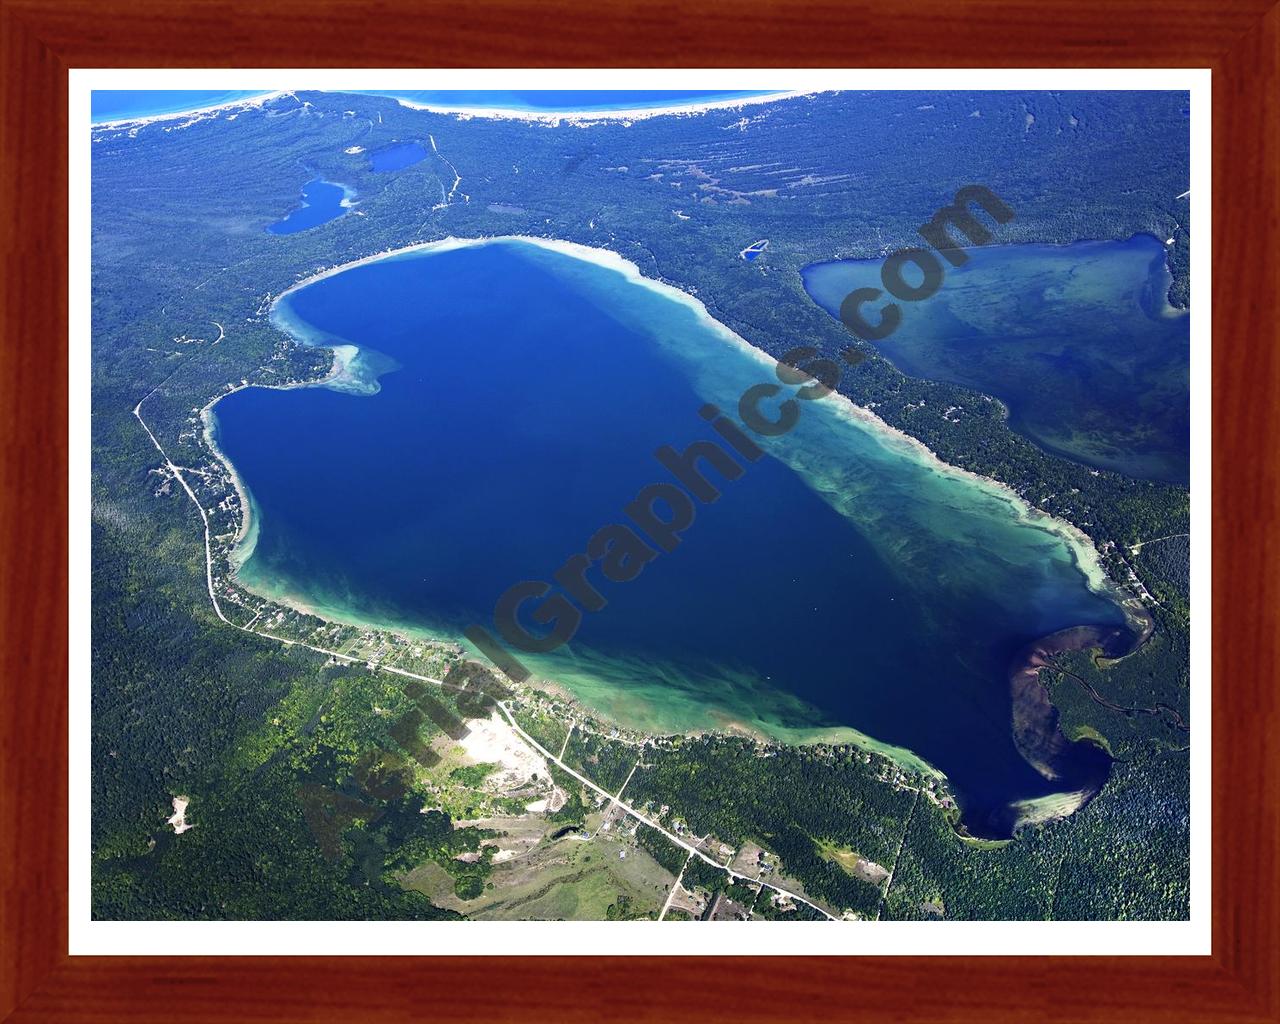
(1078, 341)
(844, 579)
(122, 104)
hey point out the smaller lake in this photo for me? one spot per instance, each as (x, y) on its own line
(397, 156)
(322, 201)
(1078, 341)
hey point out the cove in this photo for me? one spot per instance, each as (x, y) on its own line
(322, 201)
(504, 401)
(1078, 341)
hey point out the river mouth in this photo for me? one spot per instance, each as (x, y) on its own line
(844, 583)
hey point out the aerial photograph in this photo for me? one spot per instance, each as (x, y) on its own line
(640, 506)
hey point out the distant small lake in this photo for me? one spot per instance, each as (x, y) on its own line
(322, 201)
(1078, 341)
(397, 156)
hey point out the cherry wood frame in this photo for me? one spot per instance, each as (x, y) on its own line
(41, 39)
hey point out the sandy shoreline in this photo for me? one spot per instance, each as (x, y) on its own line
(464, 113)
(1080, 545)
(341, 369)
(1078, 542)
(242, 492)
(1036, 730)
(554, 117)
(240, 104)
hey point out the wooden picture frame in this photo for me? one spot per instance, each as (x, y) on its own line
(42, 39)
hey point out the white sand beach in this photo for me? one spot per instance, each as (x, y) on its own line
(1079, 543)
(198, 113)
(586, 117)
(463, 113)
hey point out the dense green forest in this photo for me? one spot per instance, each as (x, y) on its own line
(306, 799)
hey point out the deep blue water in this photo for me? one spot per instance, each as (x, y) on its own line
(1078, 341)
(397, 156)
(321, 203)
(553, 100)
(122, 104)
(843, 580)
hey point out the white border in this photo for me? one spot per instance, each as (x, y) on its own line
(442, 938)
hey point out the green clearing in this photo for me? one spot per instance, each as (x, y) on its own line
(568, 880)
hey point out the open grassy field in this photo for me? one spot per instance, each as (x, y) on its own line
(565, 879)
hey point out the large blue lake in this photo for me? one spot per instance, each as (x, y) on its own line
(846, 581)
(1078, 341)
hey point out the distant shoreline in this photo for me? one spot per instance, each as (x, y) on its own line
(213, 108)
(462, 112)
(552, 117)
